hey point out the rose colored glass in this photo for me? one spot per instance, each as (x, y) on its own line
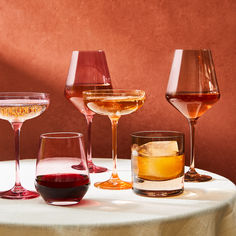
(192, 90)
(88, 71)
(16, 107)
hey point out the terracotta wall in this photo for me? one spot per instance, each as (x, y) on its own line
(139, 37)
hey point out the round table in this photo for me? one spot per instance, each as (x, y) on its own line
(203, 209)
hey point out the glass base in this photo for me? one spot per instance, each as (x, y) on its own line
(96, 169)
(114, 184)
(158, 188)
(92, 168)
(63, 203)
(161, 193)
(18, 192)
(193, 176)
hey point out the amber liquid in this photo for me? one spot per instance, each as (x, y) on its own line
(114, 105)
(193, 105)
(158, 168)
(20, 110)
(75, 95)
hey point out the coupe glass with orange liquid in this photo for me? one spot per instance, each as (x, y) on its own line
(114, 103)
(192, 90)
(157, 163)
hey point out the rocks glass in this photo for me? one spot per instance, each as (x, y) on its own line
(158, 163)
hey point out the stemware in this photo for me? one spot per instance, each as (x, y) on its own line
(192, 90)
(114, 103)
(88, 71)
(56, 180)
(16, 107)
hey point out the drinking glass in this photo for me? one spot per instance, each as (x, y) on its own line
(56, 179)
(157, 159)
(192, 90)
(88, 71)
(16, 107)
(114, 103)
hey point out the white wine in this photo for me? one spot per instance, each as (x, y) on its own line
(19, 110)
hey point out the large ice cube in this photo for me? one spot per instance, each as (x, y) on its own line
(159, 148)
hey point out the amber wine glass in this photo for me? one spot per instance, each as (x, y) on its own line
(17, 107)
(114, 103)
(88, 71)
(192, 90)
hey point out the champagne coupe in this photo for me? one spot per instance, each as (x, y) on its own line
(88, 71)
(114, 103)
(192, 90)
(16, 107)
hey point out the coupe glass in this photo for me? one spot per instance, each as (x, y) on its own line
(16, 107)
(88, 71)
(192, 90)
(114, 103)
(56, 180)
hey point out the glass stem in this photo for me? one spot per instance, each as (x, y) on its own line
(114, 123)
(17, 127)
(89, 120)
(192, 123)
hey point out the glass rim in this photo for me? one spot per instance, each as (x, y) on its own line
(194, 50)
(52, 135)
(98, 50)
(23, 94)
(168, 134)
(113, 91)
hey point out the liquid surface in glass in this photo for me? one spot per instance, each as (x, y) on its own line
(19, 110)
(75, 95)
(114, 105)
(193, 105)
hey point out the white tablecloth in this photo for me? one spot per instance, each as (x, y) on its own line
(203, 209)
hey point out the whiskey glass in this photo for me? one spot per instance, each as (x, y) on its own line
(17, 107)
(193, 89)
(114, 103)
(88, 71)
(157, 159)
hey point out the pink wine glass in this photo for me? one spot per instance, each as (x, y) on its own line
(88, 71)
(16, 107)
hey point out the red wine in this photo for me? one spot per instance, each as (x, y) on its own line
(62, 187)
(193, 105)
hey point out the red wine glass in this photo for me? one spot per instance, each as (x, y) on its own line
(56, 180)
(17, 107)
(192, 90)
(88, 71)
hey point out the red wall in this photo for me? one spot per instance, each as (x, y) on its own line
(139, 37)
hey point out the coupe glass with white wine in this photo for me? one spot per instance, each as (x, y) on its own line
(17, 107)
